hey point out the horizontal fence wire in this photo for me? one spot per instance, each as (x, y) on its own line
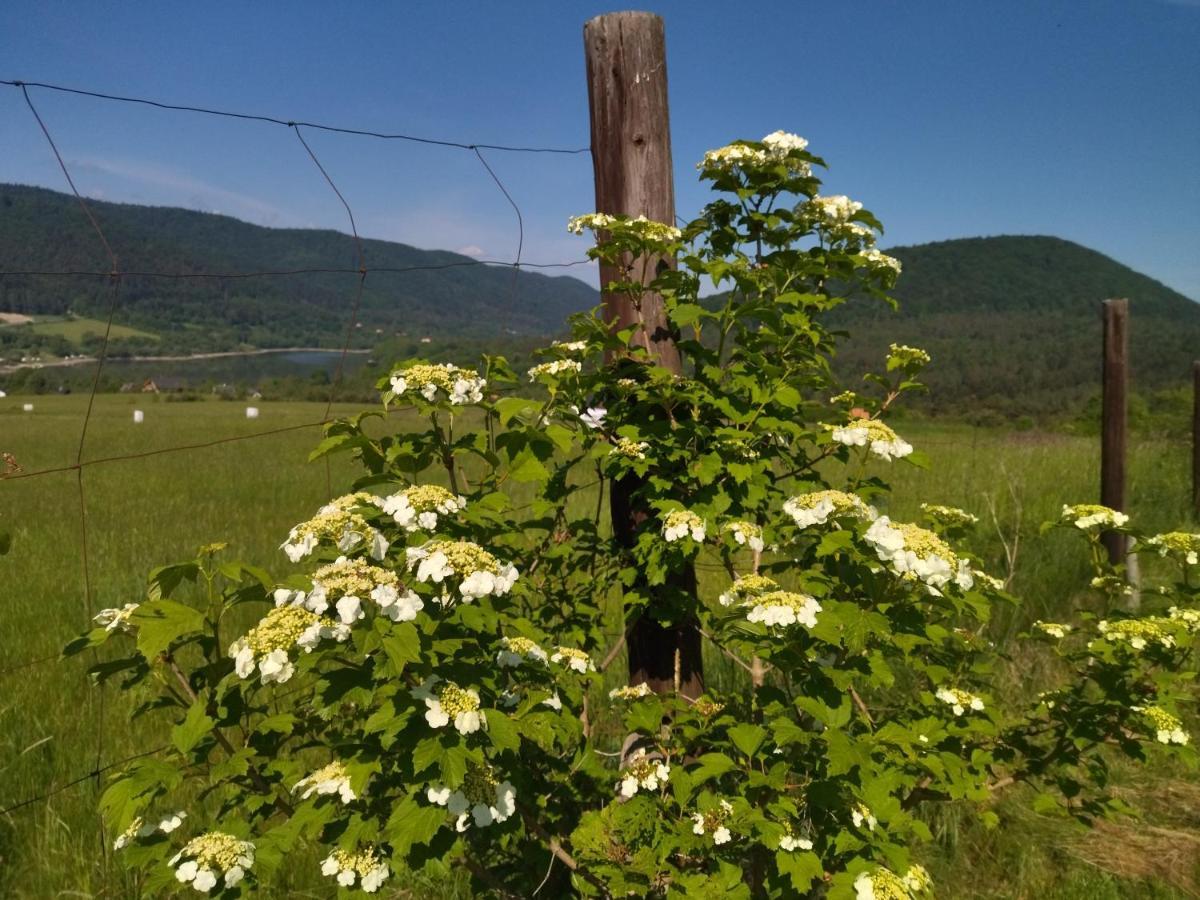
(292, 123)
(266, 273)
(96, 772)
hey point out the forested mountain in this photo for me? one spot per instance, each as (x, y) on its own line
(44, 230)
(1013, 323)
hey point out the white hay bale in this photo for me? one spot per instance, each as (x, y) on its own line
(28, 407)
(138, 417)
(251, 412)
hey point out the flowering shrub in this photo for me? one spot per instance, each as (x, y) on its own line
(425, 692)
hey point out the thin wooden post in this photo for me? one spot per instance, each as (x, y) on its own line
(1196, 439)
(1114, 403)
(631, 157)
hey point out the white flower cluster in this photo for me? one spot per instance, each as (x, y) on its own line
(140, 828)
(996, 584)
(212, 856)
(916, 553)
(569, 346)
(1053, 629)
(644, 773)
(515, 651)
(884, 884)
(745, 534)
(745, 588)
(267, 645)
(338, 523)
(875, 436)
(776, 150)
(959, 701)
(1166, 727)
(1189, 618)
(117, 619)
(1089, 516)
(949, 516)
(630, 692)
(330, 779)
(482, 795)
(437, 382)
(780, 609)
(478, 573)
(1139, 633)
(446, 702)
(574, 659)
(555, 367)
(679, 523)
(879, 261)
(366, 867)
(860, 815)
(713, 822)
(817, 507)
(833, 216)
(1182, 544)
(904, 355)
(792, 842)
(630, 449)
(347, 581)
(418, 507)
(640, 227)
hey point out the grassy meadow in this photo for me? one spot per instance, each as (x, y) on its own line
(73, 328)
(158, 509)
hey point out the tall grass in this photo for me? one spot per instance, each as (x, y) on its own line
(147, 512)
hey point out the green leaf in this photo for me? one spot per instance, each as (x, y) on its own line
(164, 580)
(402, 646)
(162, 622)
(712, 765)
(502, 731)
(93, 638)
(747, 738)
(508, 408)
(802, 868)
(527, 467)
(188, 733)
(410, 823)
(834, 542)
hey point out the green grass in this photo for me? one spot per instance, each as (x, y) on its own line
(74, 329)
(157, 509)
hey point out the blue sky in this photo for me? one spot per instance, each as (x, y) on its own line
(948, 119)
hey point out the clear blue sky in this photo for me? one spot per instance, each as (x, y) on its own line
(1074, 118)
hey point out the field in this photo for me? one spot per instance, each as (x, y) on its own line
(154, 510)
(74, 328)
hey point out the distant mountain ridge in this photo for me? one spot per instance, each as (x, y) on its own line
(443, 294)
(1012, 322)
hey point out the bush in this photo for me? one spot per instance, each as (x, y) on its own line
(426, 696)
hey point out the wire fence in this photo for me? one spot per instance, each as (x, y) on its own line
(115, 276)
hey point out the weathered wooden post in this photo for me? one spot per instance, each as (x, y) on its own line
(631, 157)
(1114, 421)
(1196, 439)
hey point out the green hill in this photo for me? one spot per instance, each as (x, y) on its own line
(44, 230)
(1013, 324)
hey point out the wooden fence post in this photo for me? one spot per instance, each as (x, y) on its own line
(1196, 439)
(631, 157)
(1114, 402)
